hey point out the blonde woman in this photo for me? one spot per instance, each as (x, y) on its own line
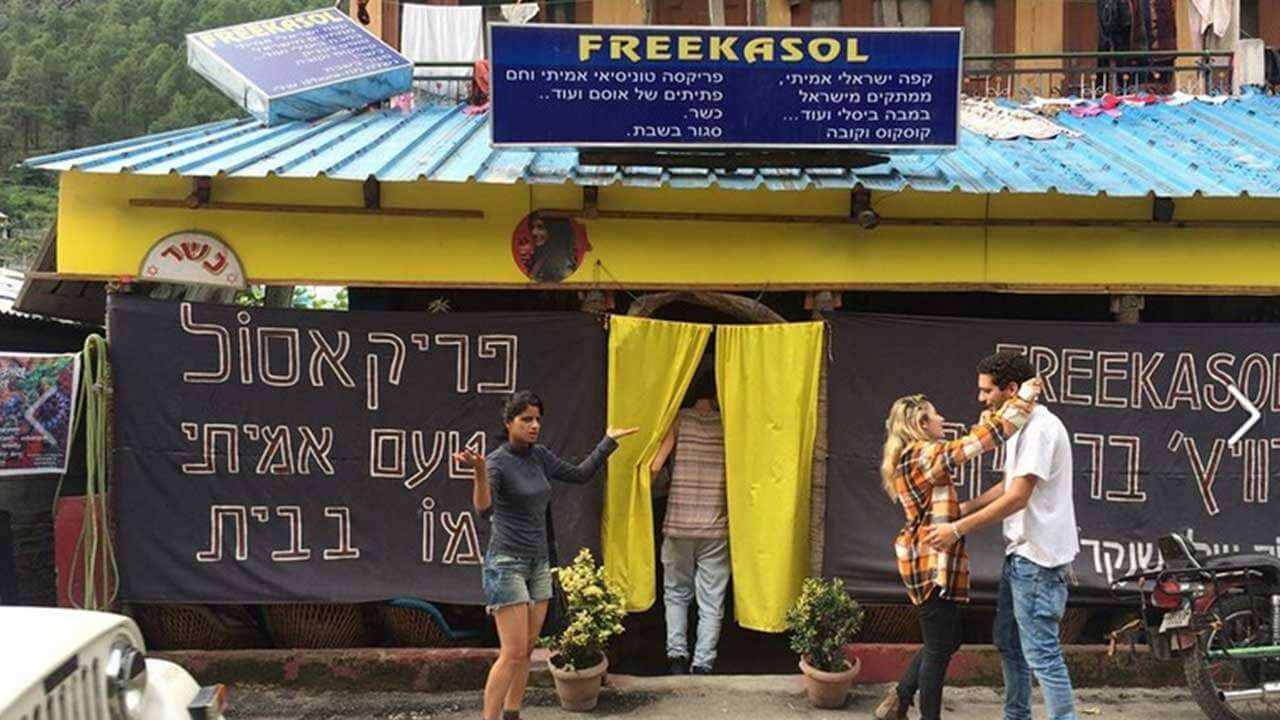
(918, 471)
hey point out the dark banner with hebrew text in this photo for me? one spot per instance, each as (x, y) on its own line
(1149, 409)
(267, 455)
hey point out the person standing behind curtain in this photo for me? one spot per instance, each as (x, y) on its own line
(695, 546)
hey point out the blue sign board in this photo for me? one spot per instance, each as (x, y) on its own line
(299, 67)
(725, 87)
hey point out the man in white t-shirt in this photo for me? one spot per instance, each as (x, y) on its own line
(1036, 505)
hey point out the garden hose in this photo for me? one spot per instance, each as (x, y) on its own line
(94, 551)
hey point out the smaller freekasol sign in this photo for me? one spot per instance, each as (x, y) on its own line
(681, 87)
(299, 67)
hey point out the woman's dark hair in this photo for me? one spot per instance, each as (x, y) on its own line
(517, 404)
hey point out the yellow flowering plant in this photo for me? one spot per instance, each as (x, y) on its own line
(595, 610)
(822, 621)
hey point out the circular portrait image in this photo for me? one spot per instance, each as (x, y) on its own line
(548, 249)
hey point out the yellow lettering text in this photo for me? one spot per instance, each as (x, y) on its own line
(288, 24)
(824, 50)
(792, 49)
(657, 47)
(588, 44)
(207, 38)
(320, 18)
(689, 47)
(225, 35)
(758, 50)
(852, 55)
(624, 46)
(257, 30)
(722, 48)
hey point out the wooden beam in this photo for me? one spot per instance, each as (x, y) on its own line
(947, 13)
(315, 209)
(1006, 32)
(390, 25)
(802, 14)
(1269, 22)
(1013, 288)
(861, 13)
(908, 222)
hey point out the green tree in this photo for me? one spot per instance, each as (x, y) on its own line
(95, 71)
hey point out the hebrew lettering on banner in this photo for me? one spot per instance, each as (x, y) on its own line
(276, 455)
(1149, 415)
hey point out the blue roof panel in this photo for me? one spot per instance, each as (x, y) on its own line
(1175, 150)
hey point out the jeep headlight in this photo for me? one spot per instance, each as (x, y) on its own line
(126, 680)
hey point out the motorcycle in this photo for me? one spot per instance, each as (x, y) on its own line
(1221, 616)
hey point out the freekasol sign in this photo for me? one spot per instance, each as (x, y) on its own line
(299, 67)
(673, 87)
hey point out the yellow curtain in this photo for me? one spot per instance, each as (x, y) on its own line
(651, 363)
(768, 386)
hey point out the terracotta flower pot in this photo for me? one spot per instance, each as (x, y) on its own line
(579, 689)
(828, 690)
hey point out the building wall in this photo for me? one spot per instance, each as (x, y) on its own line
(926, 240)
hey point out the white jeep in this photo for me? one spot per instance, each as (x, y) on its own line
(82, 664)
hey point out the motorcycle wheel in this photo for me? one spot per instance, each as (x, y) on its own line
(1244, 622)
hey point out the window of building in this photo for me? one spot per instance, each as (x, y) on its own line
(1250, 22)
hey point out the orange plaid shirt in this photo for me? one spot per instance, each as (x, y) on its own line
(925, 484)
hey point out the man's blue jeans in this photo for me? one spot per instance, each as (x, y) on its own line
(692, 568)
(1032, 600)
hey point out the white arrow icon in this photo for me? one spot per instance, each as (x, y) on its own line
(1254, 414)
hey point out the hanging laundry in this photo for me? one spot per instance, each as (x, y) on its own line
(478, 102)
(1002, 123)
(1207, 14)
(1154, 27)
(453, 34)
(1115, 25)
(519, 12)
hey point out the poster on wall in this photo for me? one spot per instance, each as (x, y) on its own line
(1149, 411)
(38, 395)
(306, 456)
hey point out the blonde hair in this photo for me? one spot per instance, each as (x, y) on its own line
(905, 425)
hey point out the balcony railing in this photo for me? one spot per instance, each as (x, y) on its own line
(1094, 74)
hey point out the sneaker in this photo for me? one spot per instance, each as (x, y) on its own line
(701, 670)
(677, 666)
(891, 707)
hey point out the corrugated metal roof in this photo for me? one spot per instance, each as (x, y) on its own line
(1197, 148)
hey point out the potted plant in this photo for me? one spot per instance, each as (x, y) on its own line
(821, 622)
(594, 612)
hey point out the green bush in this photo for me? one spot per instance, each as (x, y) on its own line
(822, 621)
(595, 612)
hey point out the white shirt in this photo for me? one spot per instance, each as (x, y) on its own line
(1045, 531)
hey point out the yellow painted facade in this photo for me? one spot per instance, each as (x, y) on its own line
(101, 235)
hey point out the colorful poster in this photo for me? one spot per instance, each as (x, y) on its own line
(37, 405)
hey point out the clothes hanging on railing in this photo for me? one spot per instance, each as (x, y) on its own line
(431, 33)
(1206, 14)
(1115, 25)
(519, 12)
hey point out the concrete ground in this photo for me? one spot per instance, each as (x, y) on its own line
(769, 697)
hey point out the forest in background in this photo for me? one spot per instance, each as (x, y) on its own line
(82, 72)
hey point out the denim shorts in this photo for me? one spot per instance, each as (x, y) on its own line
(510, 580)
